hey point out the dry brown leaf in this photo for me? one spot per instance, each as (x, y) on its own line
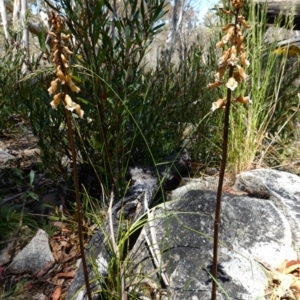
(74, 250)
(73, 253)
(67, 275)
(45, 269)
(287, 267)
(32, 152)
(57, 248)
(56, 294)
(63, 243)
(60, 238)
(61, 281)
(67, 257)
(292, 266)
(55, 281)
(66, 230)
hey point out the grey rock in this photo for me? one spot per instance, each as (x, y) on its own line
(251, 231)
(34, 256)
(283, 189)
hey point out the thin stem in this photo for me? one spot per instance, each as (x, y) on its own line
(78, 202)
(219, 192)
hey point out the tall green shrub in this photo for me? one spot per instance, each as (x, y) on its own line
(133, 112)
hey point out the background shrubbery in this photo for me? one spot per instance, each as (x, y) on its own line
(137, 110)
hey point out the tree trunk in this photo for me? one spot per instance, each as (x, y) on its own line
(4, 18)
(33, 28)
(25, 37)
(16, 15)
(177, 18)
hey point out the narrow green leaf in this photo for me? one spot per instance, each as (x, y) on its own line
(52, 218)
(97, 10)
(31, 177)
(33, 195)
(42, 39)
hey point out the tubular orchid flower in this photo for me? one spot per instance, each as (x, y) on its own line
(229, 25)
(227, 12)
(53, 88)
(65, 37)
(74, 88)
(70, 105)
(237, 77)
(241, 48)
(71, 84)
(243, 22)
(61, 76)
(242, 73)
(55, 55)
(231, 84)
(244, 60)
(219, 75)
(240, 40)
(230, 32)
(79, 111)
(232, 60)
(226, 38)
(64, 61)
(237, 4)
(244, 100)
(219, 103)
(222, 61)
(215, 84)
(67, 50)
(220, 44)
(56, 101)
(51, 33)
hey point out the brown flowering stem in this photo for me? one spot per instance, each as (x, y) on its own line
(78, 203)
(221, 180)
(231, 57)
(60, 58)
